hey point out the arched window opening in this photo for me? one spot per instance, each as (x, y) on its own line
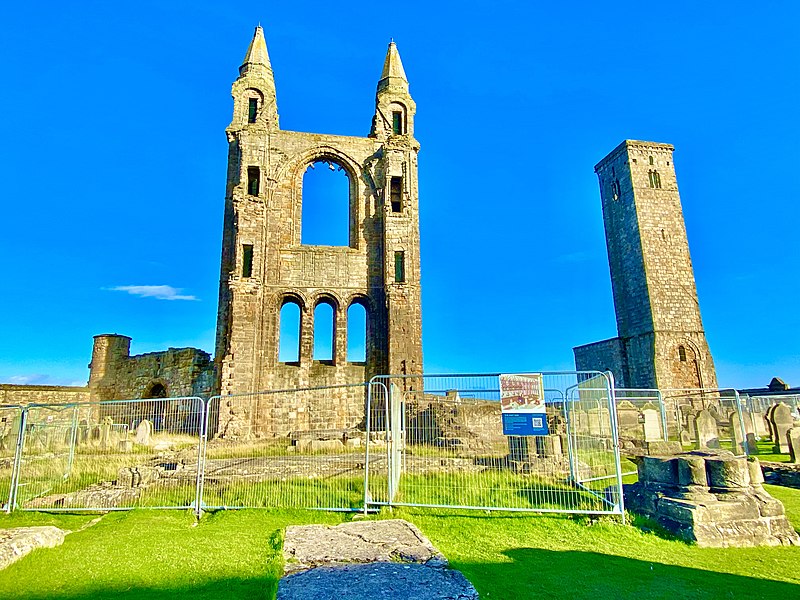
(324, 332)
(289, 332)
(252, 110)
(356, 333)
(326, 205)
(682, 353)
(154, 411)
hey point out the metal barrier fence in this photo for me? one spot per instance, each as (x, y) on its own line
(439, 441)
(110, 455)
(302, 448)
(10, 426)
(713, 418)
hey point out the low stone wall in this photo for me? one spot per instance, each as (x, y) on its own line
(42, 394)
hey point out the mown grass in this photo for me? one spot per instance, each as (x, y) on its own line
(236, 554)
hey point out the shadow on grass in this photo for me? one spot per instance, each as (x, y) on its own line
(537, 573)
(531, 573)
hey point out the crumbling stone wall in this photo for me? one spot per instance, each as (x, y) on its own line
(661, 342)
(116, 375)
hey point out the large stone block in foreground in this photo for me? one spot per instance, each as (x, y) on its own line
(712, 498)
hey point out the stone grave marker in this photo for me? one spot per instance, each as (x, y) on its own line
(652, 425)
(83, 432)
(105, 433)
(793, 436)
(143, 432)
(707, 432)
(736, 433)
(782, 422)
(628, 419)
(768, 420)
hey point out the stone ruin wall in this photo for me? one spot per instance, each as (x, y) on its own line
(42, 394)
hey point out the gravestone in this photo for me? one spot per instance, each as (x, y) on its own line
(652, 425)
(686, 438)
(599, 421)
(782, 422)
(768, 420)
(105, 433)
(793, 436)
(707, 432)
(736, 433)
(83, 432)
(628, 419)
(143, 432)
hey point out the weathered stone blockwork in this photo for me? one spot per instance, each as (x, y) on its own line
(661, 342)
(42, 394)
(713, 499)
(265, 265)
(116, 375)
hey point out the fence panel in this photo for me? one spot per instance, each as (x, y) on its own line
(439, 441)
(111, 455)
(301, 448)
(10, 427)
(708, 418)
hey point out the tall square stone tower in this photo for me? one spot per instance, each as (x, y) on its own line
(661, 341)
(265, 266)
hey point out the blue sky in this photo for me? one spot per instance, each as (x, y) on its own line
(113, 160)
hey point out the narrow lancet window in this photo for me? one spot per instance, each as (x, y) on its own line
(252, 110)
(397, 122)
(399, 266)
(247, 260)
(656, 180)
(253, 180)
(396, 194)
(681, 354)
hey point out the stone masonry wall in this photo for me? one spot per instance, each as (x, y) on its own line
(42, 394)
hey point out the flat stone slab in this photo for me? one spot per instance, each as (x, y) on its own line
(19, 541)
(393, 540)
(395, 581)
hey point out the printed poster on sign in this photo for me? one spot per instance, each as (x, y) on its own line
(522, 405)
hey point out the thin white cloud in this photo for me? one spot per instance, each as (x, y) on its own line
(159, 292)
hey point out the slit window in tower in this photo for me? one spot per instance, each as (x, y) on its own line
(252, 180)
(400, 267)
(681, 353)
(396, 194)
(247, 260)
(656, 180)
(397, 122)
(252, 110)
(651, 179)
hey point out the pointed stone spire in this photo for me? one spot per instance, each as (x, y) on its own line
(393, 73)
(257, 57)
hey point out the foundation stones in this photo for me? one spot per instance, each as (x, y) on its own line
(712, 498)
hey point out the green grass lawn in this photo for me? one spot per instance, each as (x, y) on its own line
(236, 554)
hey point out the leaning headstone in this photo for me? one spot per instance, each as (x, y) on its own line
(652, 425)
(143, 432)
(686, 438)
(707, 433)
(793, 437)
(768, 420)
(782, 422)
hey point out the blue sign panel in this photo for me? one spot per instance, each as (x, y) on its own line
(524, 423)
